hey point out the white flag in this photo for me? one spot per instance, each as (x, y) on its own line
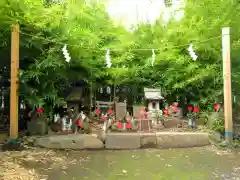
(153, 57)
(66, 54)
(108, 59)
(192, 53)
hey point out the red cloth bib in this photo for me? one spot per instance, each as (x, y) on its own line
(119, 126)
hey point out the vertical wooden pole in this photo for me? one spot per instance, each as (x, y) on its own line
(91, 95)
(114, 99)
(91, 99)
(227, 84)
(114, 92)
(14, 82)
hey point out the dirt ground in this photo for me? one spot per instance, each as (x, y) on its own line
(12, 163)
(182, 164)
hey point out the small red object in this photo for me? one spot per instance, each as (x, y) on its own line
(190, 108)
(74, 121)
(175, 109)
(46, 119)
(80, 123)
(103, 118)
(119, 126)
(98, 111)
(40, 110)
(196, 109)
(166, 112)
(112, 121)
(110, 111)
(216, 107)
(128, 125)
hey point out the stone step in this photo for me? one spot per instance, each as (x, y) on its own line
(123, 141)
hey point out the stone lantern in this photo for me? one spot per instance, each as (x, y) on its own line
(153, 97)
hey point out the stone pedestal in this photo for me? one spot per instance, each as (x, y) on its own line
(145, 124)
(38, 127)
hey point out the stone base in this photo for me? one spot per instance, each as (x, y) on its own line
(215, 136)
(181, 139)
(148, 140)
(123, 141)
(73, 141)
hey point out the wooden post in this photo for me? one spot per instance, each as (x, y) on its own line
(91, 99)
(114, 99)
(14, 82)
(227, 84)
(114, 92)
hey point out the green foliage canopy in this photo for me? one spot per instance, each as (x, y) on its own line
(89, 31)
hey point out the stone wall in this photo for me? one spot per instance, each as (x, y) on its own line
(156, 140)
(125, 140)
